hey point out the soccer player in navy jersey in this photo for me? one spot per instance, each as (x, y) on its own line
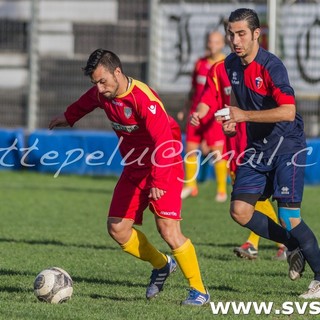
(273, 164)
(150, 178)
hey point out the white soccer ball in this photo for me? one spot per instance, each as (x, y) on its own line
(53, 285)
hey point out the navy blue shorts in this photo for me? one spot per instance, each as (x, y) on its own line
(283, 179)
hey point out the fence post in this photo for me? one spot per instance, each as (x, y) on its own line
(33, 85)
(272, 10)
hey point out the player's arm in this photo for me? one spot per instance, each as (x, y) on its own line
(58, 121)
(209, 98)
(74, 112)
(202, 110)
(284, 112)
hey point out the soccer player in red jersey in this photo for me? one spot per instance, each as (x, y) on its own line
(150, 144)
(209, 134)
(216, 95)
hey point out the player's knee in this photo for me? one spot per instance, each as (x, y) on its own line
(118, 230)
(241, 212)
(112, 231)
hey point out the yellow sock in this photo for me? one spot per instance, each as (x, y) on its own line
(254, 239)
(266, 208)
(191, 168)
(221, 171)
(139, 246)
(187, 260)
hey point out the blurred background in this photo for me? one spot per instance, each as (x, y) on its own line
(45, 43)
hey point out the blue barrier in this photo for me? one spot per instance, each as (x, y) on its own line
(89, 153)
(75, 152)
(11, 148)
(312, 173)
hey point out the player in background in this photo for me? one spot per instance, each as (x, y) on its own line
(149, 179)
(215, 95)
(273, 165)
(209, 134)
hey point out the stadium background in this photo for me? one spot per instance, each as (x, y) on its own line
(44, 44)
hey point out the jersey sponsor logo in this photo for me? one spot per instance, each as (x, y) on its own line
(127, 112)
(120, 127)
(285, 190)
(117, 103)
(168, 213)
(227, 91)
(153, 109)
(235, 79)
(259, 82)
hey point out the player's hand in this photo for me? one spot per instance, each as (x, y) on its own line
(229, 129)
(58, 121)
(235, 115)
(195, 119)
(156, 193)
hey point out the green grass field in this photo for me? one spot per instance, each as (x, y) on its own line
(60, 222)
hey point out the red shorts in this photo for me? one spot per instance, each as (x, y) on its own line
(209, 130)
(129, 200)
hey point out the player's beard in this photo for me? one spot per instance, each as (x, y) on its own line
(111, 95)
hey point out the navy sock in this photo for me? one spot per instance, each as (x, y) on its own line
(267, 228)
(309, 245)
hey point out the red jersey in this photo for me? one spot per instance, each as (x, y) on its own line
(199, 76)
(216, 94)
(150, 140)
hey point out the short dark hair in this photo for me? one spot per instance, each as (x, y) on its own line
(246, 14)
(106, 58)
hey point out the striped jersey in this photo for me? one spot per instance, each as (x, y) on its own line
(261, 85)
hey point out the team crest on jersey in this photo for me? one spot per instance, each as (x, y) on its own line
(127, 112)
(259, 82)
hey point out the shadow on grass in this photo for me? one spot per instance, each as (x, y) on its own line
(15, 289)
(58, 243)
(57, 188)
(10, 272)
(223, 288)
(108, 282)
(114, 298)
(271, 246)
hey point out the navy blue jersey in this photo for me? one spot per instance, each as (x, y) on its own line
(264, 84)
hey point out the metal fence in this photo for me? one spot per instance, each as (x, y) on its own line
(69, 30)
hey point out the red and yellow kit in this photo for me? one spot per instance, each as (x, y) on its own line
(216, 94)
(150, 144)
(209, 130)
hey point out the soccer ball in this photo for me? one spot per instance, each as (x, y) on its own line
(53, 285)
